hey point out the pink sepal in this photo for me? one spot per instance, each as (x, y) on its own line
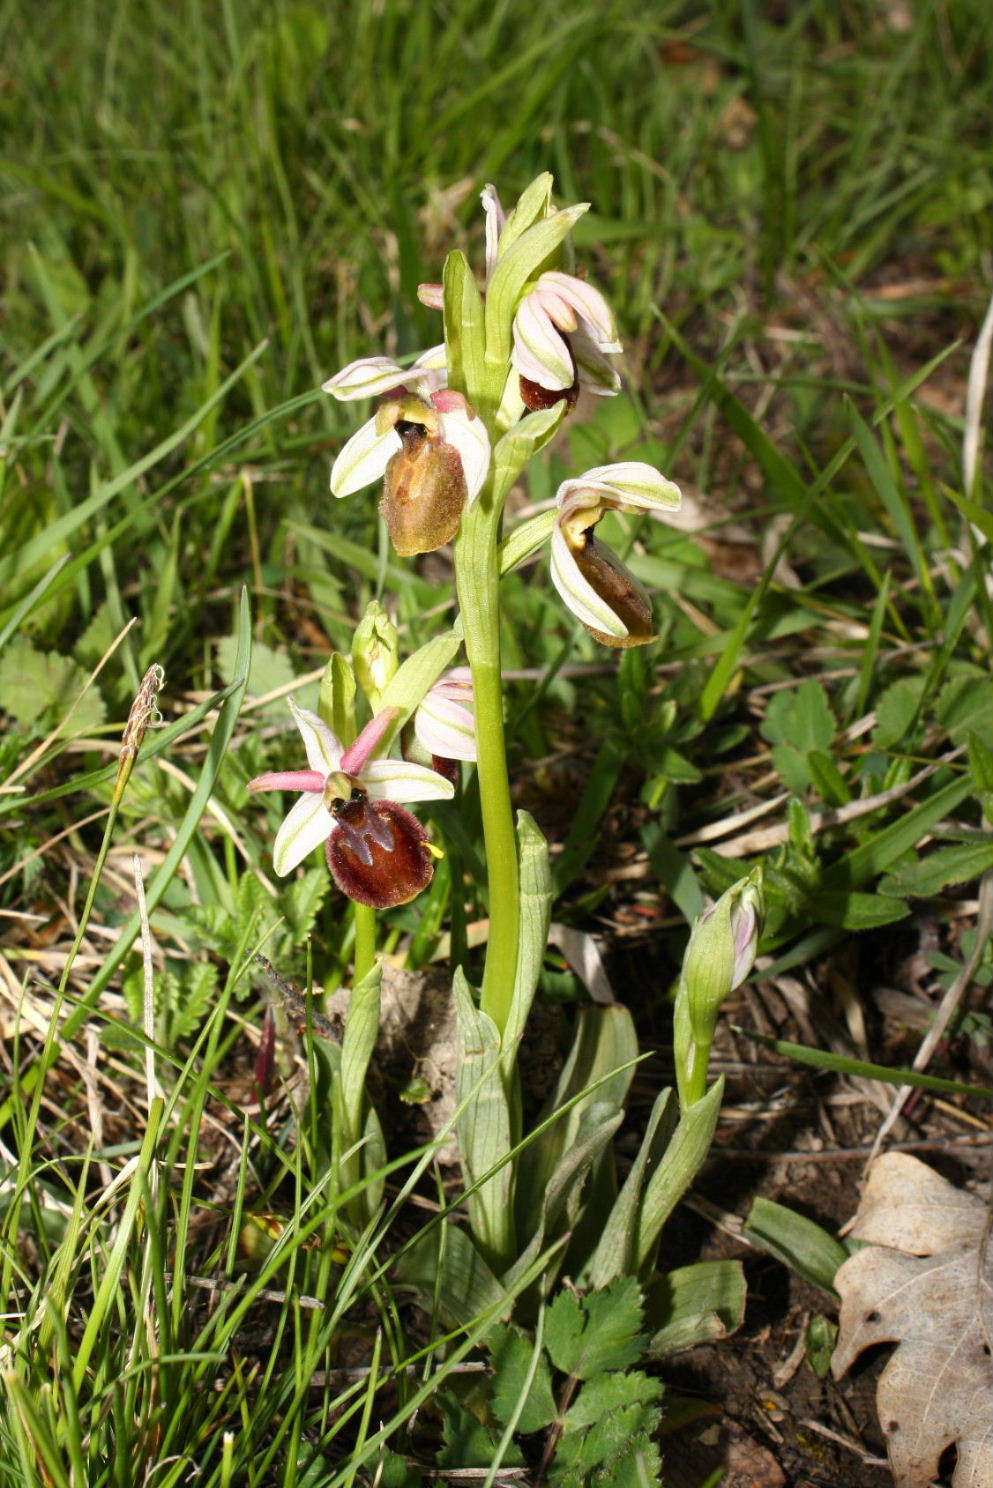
(357, 755)
(295, 780)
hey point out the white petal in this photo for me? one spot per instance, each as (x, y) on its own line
(370, 376)
(429, 372)
(399, 780)
(324, 749)
(496, 217)
(596, 373)
(540, 354)
(578, 594)
(470, 438)
(445, 728)
(628, 483)
(588, 303)
(363, 459)
(308, 824)
(364, 379)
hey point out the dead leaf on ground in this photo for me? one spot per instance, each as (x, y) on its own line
(936, 1305)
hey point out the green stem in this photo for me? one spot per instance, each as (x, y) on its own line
(478, 582)
(365, 940)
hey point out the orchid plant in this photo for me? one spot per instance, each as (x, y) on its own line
(451, 435)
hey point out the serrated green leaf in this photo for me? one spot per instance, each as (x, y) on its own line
(301, 901)
(965, 704)
(926, 877)
(189, 1002)
(797, 722)
(821, 1339)
(827, 779)
(97, 638)
(251, 899)
(511, 1354)
(637, 1466)
(603, 1447)
(896, 711)
(611, 1392)
(270, 671)
(37, 685)
(586, 1335)
(394, 1471)
(792, 766)
(468, 1443)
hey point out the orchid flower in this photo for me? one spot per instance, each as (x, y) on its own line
(378, 853)
(433, 452)
(590, 578)
(563, 334)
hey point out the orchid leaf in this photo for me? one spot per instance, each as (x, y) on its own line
(483, 1126)
(695, 1304)
(680, 1164)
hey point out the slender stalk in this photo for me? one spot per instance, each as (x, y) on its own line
(477, 579)
(365, 940)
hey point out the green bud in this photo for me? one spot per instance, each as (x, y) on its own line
(718, 958)
(375, 648)
(721, 951)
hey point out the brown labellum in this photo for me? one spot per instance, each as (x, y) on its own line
(535, 397)
(619, 589)
(423, 493)
(378, 853)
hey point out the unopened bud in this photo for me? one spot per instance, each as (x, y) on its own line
(718, 958)
(721, 952)
(375, 652)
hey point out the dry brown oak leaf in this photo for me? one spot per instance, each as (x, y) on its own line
(936, 1305)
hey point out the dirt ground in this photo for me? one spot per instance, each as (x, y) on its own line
(802, 1138)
